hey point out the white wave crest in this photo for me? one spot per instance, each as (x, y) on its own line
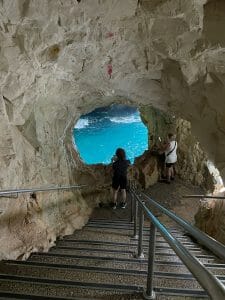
(128, 119)
(82, 123)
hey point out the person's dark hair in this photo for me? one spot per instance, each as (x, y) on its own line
(120, 153)
(170, 135)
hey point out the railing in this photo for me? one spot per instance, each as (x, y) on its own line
(4, 193)
(203, 196)
(216, 247)
(214, 288)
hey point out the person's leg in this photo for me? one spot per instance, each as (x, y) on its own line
(173, 173)
(163, 171)
(124, 198)
(115, 187)
(123, 186)
(115, 195)
(168, 172)
(163, 166)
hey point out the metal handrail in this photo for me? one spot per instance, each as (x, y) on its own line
(38, 189)
(203, 196)
(216, 247)
(207, 280)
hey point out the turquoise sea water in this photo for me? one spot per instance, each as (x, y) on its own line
(97, 135)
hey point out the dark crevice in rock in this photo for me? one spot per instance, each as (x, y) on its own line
(59, 21)
(25, 8)
(9, 108)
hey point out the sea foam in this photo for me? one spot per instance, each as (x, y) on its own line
(127, 119)
(82, 123)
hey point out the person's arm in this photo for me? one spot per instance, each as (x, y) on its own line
(163, 147)
(166, 146)
(114, 158)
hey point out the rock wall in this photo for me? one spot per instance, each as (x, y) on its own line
(192, 164)
(61, 59)
(159, 124)
(210, 218)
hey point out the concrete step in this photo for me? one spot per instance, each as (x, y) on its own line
(161, 294)
(109, 245)
(62, 288)
(122, 248)
(161, 270)
(98, 262)
(125, 227)
(73, 272)
(125, 230)
(15, 296)
(35, 274)
(160, 265)
(132, 242)
(123, 253)
(121, 235)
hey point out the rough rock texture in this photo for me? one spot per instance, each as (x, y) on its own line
(146, 171)
(159, 124)
(192, 162)
(61, 59)
(210, 218)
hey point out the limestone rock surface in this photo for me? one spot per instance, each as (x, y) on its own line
(210, 218)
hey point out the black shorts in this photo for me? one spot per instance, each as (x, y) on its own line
(169, 165)
(119, 182)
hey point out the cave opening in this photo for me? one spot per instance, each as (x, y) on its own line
(99, 133)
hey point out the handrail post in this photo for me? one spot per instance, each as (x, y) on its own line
(140, 253)
(149, 294)
(135, 236)
(132, 208)
(131, 185)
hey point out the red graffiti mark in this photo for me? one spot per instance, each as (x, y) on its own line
(109, 70)
(109, 34)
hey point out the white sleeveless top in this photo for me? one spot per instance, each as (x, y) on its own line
(172, 157)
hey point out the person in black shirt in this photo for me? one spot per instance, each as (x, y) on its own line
(119, 180)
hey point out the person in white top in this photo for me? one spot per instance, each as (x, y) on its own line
(170, 150)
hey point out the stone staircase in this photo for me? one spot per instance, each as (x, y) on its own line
(98, 262)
